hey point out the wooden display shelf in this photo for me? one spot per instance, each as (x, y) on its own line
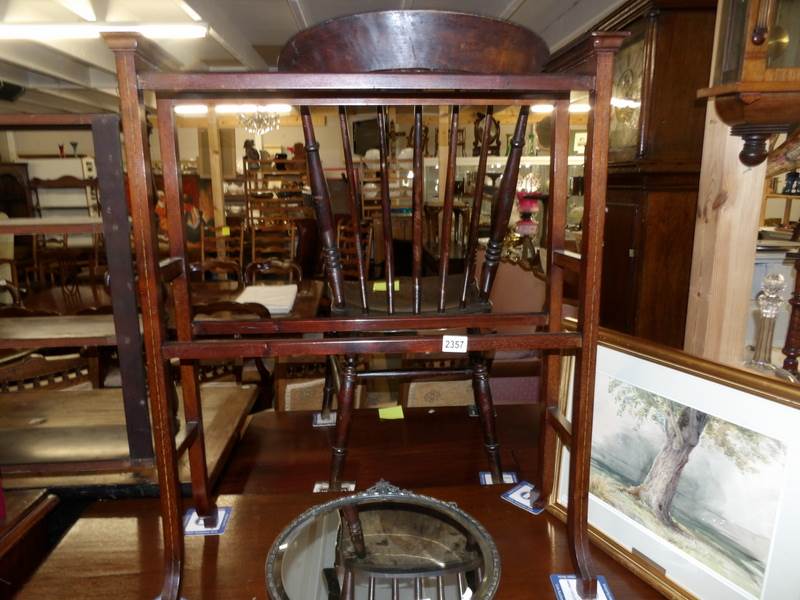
(89, 425)
(44, 225)
(57, 331)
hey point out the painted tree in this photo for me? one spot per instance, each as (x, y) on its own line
(683, 428)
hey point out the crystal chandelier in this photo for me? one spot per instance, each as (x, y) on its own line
(259, 122)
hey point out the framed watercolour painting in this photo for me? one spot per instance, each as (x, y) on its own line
(695, 479)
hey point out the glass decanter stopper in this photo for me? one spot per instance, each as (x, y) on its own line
(769, 303)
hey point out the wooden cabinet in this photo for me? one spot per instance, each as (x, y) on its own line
(647, 254)
(655, 148)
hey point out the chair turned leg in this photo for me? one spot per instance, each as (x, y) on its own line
(343, 415)
(483, 398)
(327, 392)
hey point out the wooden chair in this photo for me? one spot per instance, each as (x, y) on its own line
(247, 310)
(228, 238)
(443, 294)
(273, 239)
(348, 252)
(220, 271)
(272, 268)
(55, 254)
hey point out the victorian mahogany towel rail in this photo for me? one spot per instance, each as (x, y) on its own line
(137, 71)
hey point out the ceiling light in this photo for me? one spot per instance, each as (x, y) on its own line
(237, 109)
(234, 109)
(190, 11)
(281, 109)
(83, 31)
(580, 107)
(191, 109)
(82, 8)
(542, 108)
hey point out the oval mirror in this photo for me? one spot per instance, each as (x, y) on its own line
(383, 543)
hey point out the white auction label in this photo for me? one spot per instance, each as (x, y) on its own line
(454, 343)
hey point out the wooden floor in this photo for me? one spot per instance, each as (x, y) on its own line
(113, 550)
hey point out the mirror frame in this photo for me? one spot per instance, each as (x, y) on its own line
(384, 491)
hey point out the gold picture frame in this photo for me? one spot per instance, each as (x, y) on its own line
(772, 390)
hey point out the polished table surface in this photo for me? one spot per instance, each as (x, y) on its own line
(71, 300)
(68, 329)
(112, 551)
(57, 331)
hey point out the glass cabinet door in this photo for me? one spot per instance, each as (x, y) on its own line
(784, 36)
(732, 42)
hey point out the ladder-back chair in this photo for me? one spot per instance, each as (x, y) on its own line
(475, 61)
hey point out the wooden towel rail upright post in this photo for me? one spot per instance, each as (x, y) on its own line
(138, 72)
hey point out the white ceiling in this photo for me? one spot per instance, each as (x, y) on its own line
(78, 75)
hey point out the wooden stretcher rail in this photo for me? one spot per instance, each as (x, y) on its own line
(225, 349)
(52, 225)
(79, 466)
(190, 435)
(340, 86)
(170, 268)
(567, 260)
(562, 427)
(348, 324)
(49, 121)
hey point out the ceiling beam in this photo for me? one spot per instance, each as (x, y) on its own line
(82, 8)
(92, 53)
(510, 8)
(298, 13)
(20, 106)
(38, 58)
(89, 100)
(225, 31)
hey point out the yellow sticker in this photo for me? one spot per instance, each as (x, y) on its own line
(391, 412)
(380, 286)
(226, 232)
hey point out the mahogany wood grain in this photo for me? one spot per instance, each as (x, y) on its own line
(446, 233)
(368, 323)
(322, 207)
(309, 89)
(204, 349)
(386, 209)
(23, 510)
(181, 294)
(417, 197)
(268, 482)
(556, 224)
(374, 88)
(477, 203)
(791, 346)
(144, 233)
(501, 211)
(380, 41)
(23, 536)
(595, 170)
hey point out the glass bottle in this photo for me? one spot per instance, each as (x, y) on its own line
(769, 303)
